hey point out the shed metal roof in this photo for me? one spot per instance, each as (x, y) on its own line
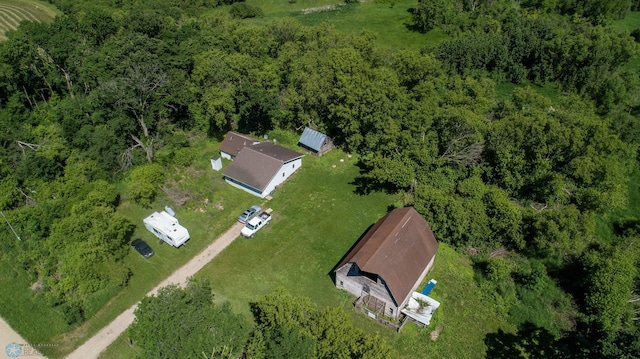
(312, 139)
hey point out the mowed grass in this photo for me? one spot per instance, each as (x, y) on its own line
(630, 22)
(462, 321)
(13, 12)
(317, 217)
(27, 313)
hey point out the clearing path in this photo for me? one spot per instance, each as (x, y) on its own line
(107, 335)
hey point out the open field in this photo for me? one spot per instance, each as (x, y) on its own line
(388, 23)
(12, 12)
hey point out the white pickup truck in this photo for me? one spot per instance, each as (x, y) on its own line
(255, 224)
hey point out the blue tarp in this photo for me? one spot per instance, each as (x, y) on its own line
(429, 287)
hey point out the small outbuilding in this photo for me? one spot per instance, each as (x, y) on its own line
(390, 261)
(315, 142)
(216, 163)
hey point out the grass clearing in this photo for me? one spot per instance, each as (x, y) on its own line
(26, 312)
(463, 319)
(630, 22)
(389, 23)
(504, 91)
(317, 217)
(12, 12)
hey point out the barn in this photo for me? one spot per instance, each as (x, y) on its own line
(390, 261)
(315, 142)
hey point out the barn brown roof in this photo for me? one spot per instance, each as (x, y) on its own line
(256, 166)
(234, 142)
(398, 248)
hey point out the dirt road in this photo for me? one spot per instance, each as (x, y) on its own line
(99, 342)
(8, 340)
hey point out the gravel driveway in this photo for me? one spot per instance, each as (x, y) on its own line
(107, 335)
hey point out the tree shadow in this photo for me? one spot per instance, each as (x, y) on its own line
(366, 185)
(530, 341)
(627, 227)
(411, 26)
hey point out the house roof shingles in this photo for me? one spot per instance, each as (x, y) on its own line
(312, 139)
(397, 248)
(255, 166)
(234, 142)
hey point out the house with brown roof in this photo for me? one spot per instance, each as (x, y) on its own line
(260, 168)
(390, 261)
(233, 143)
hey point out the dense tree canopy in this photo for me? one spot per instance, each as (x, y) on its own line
(108, 90)
(185, 323)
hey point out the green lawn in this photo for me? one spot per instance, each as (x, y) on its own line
(12, 12)
(317, 217)
(504, 91)
(27, 313)
(630, 22)
(389, 24)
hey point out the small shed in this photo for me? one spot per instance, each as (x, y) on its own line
(216, 163)
(315, 142)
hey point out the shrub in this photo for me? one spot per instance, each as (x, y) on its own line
(144, 182)
(241, 10)
(636, 35)
(73, 313)
(184, 157)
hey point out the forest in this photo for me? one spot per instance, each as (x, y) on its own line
(98, 103)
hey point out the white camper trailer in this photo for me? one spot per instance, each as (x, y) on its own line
(167, 228)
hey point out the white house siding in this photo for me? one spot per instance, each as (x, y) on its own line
(245, 188)
(285, 171)
(225, 155)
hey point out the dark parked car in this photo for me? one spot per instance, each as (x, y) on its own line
(248, 214)
(142, 247)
